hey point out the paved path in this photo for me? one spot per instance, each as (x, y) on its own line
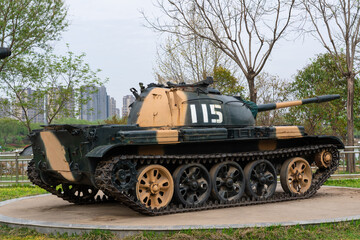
(48, 213)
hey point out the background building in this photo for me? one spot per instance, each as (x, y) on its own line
(100, 106)
(127, 100)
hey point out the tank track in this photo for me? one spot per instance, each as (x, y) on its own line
(104, 171)
(35, 178)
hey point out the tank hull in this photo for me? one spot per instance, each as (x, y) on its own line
(77, 155)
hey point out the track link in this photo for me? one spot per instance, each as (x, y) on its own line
(104, 171)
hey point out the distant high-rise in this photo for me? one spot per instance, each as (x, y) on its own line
(35, 113)
(102, 104)
(99, 105)
(127, 100)
(111, 106)
(89, 109)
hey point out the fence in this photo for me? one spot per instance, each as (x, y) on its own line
(13, 169)
(347, 150)
(13, 166)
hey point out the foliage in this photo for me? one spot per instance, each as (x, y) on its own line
(336, 25)
(59, 82)
(115, 120)
(245, 31)
(319, 78)
(226, 83)
(188, 59)
(271, 89)
(30, 25)
(192, 59)
(73, 121)
(65, 78)
(13, 134)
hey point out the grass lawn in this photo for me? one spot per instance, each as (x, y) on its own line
(344, 230)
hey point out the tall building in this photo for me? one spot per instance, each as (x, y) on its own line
(127, 100)
(89, 110)
(111, 106)
(99, 106)
(35, 111)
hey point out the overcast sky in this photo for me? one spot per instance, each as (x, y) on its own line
(112, 35)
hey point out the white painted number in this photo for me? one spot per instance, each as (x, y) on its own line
(215, 110)
(193, 113)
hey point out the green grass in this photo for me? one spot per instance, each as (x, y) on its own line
(14, 191)
(344, 230)
(348, 230)
(355, 183)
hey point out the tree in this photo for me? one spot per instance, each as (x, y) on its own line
(226, 83)
(182, 59)
(322, 77)
(58, 80)
(64, 79)
(192, 60)
(336, 24)
(246, 31)
(27, 25)
(271, 89)
(21, 75)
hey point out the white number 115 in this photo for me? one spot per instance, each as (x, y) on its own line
(215, 109)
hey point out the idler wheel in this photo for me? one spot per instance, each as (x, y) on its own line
(323, 159)
(296, 175)
(260, 177)
(81, 193)
(228, 181)
(192, 184)
(155, 186)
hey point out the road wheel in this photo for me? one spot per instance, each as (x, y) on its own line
(192, 184)
(228, 181)
(260, 177)
(296, 175)
(155, 186)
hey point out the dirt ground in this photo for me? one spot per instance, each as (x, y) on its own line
(328, 203)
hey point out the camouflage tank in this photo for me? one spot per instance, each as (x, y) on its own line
(185, 148)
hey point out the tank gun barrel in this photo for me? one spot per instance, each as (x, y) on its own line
(4, 52)
(318, 99)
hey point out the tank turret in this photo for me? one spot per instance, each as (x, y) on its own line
(4, 52)
(198, 105)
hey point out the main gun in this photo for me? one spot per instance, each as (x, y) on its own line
(319, 99)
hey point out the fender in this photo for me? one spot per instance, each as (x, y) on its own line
(324, 139)
(100, 151)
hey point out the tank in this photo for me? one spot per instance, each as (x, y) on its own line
(186, 147)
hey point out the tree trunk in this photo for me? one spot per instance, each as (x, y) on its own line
(252, 89)
(350, 158)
